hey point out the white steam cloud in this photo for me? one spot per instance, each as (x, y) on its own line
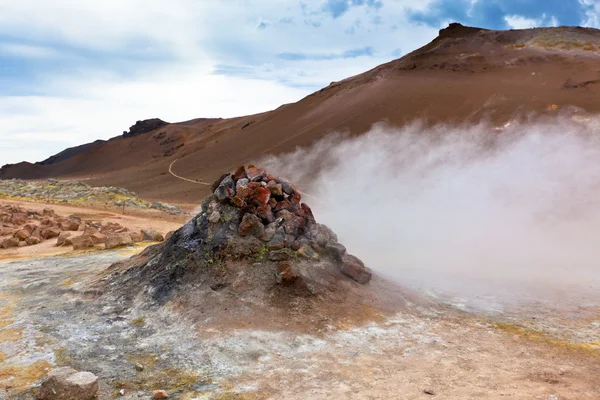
(473, 211)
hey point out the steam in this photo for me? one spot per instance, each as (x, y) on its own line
(475, 211)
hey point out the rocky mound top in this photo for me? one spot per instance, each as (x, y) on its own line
(253, 242)
(145, 126)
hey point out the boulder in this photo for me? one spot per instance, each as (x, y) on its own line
(118, 239)
(68, 384)
(255, 174)
(135, 236)
(49, 233)
(98, 238)
(30, 228)
(355, 269)
(22, 234)
(285, 274)
(22, 243)
(82, 242)
(10, 242)
(152, 235)
(32, 241)
(160, 394)
(292, 223)
(62, 237)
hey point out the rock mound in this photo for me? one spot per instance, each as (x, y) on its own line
(254, 242)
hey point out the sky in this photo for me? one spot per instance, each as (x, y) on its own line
(73, 71)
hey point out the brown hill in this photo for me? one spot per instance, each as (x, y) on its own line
(464, 75)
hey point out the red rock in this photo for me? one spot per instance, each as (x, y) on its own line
(32, 241)
(49, 233)
(82, 242)
(10, 242)
(271, 178)
(152, 235)
(98, 238)
(30, 228)
(239, 173)
(260, 196)
(275, 188)
(265, 213)
(18, 219)
(251, 225)
(48, 212)
(237, 201)
(244, 192)
(292, 224)
(283, 205)
(308, 214)
(62, 239)
(22, 234)
(159, 394)
(90, 230)
(355, 269)
(272, 202)
(118, 239)
(255, 173)
(254, 185)
(22, 243)
(135, 236)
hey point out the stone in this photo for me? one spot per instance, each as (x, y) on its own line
(221, 194)
(10, 242)
(62, 237)
(159, 394)
(22, 243)
(292, 224)
(242, 183)
(214, 217)
(139, 367)
(237, 201)
(244, 192)
(90, 230)
(30, 228)
(275, 188)
(240, 173)
(32, 241)
(286, 185)
(169, 234)
(99, 238)
(269, 232)
(216, 183)
(68, 384)
(335, 250)
(278, 240)
(254, 173)
(118, 239)
(151, 235)
(48, 212)
(355, 269)
(82, 242)
(265, 213)
(283, 205)
(260, 197)
(49, 233)
(307, 251)
(281, 255)
(22, 234)
(135, 236)
(285, 273)
(251, 225)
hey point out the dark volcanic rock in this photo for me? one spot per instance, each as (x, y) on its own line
(145, 126)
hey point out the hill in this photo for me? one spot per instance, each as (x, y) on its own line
(464, 75)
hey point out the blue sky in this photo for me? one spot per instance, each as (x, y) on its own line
(75, 71)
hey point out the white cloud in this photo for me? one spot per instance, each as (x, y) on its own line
(520, 22)
(592, 13)
(135, 59)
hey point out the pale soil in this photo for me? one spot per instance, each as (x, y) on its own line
(135, 220)
(49, 316)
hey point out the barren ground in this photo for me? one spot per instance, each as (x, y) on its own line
(49, 316)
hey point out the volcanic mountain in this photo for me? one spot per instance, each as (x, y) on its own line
(465, 75)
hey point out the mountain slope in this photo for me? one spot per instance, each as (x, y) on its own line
(464, 75)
